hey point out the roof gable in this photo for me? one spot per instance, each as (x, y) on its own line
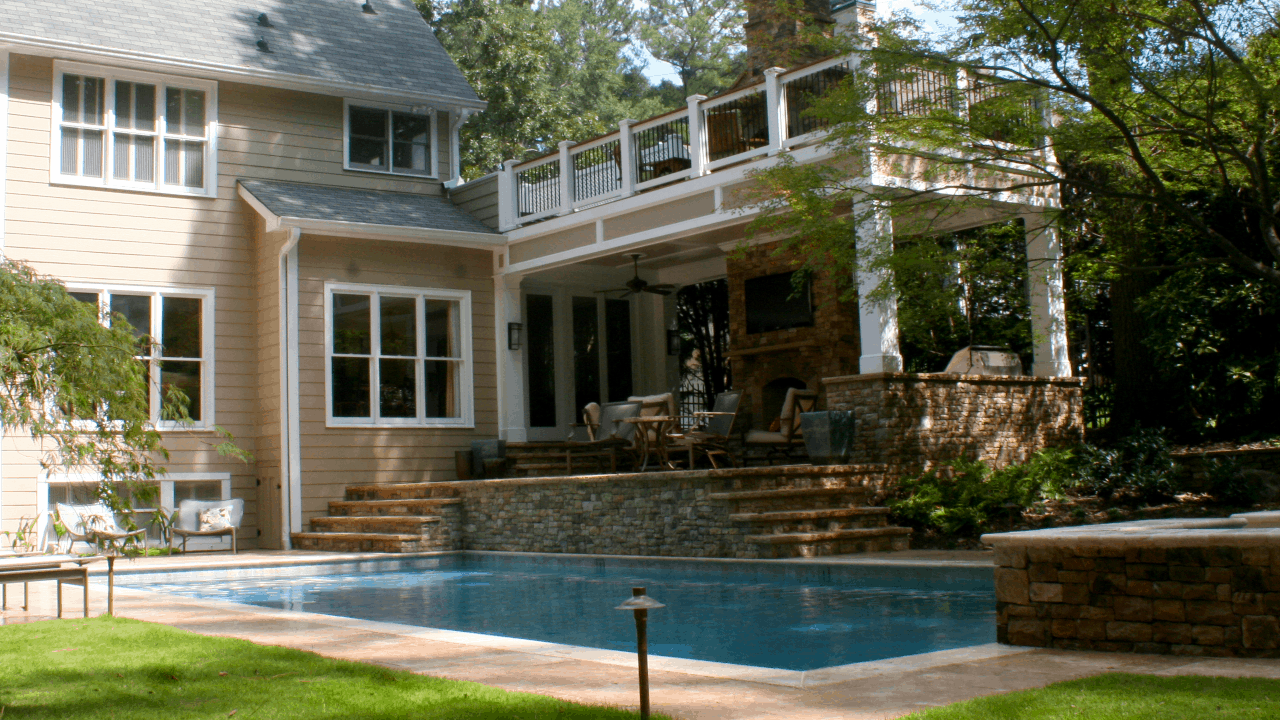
(329, 41)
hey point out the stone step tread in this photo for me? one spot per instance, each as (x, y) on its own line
(860, 533)
(783, 515)
(787, 493)
(354, 536)
(377, 519)
(413, 502)
(402, 488)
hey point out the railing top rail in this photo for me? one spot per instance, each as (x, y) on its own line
(540, 160)
(729, 97)
(595, 142)
(815, 67)
(662, 119)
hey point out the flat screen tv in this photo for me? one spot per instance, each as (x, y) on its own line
(773, 303)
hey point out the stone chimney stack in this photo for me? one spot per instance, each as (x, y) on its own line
(774, 37)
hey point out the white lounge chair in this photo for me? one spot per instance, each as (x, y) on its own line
(206, 518)
(95, 524)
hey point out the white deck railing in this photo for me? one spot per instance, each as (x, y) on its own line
(711, 133)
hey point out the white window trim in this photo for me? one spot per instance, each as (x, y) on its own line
(346, 137)
(466, 384)
(110, 76)
(207, 345)
(166, 481)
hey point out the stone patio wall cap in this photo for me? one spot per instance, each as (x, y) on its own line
(1230, 532)
(1264, 519)
(954, 378)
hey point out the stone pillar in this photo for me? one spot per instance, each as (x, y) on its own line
(509, 309)
(1048, 309)
(878, 321)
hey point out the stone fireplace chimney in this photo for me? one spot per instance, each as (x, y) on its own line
(775, 34)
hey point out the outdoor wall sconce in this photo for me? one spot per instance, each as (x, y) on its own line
(640, 605)
(515, 335)
(673, 343)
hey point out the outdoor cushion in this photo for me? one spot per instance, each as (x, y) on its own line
(84, 519)
(660, 404)
(188, 516)
(611, 416)
(764, 436)
(215, 519)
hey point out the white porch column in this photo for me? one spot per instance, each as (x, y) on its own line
(878, 321)
(1048, 309)
(509, 309)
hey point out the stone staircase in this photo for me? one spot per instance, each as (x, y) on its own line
(790, 522)
(400, 518)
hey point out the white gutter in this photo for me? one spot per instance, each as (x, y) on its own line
(44, 47)
(371, 231)
(290, 426)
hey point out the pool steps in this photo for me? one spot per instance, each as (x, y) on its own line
(781, 522)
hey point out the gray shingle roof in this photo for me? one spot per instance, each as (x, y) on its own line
(321, 40)
(372, 207)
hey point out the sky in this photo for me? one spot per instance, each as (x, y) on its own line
(658, 71)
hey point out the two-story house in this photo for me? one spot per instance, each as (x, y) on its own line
(271, 192)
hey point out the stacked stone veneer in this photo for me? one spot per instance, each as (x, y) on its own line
(656, 514)
(1169, 591)
(830, 347)
(911, 421)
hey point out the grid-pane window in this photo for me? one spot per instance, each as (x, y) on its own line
(388, 141)
(152, 134)
(173, 342)
(396, 356)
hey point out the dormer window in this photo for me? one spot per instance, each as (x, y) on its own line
(133, 131)
(390, 140)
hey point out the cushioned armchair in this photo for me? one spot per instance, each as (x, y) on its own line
(207, 518)
(788, 437)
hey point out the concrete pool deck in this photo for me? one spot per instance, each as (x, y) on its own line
(684, 689)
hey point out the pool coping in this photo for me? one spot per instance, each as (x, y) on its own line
(799, 679)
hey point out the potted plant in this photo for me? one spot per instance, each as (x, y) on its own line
(828, 436)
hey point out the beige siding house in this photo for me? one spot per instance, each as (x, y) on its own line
(167, 166)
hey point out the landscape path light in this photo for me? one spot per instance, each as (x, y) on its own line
(640, 605)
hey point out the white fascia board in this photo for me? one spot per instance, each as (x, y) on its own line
(43, 47)
(370, 231)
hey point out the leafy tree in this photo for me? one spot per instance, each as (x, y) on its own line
(73, 383)
(702, 39)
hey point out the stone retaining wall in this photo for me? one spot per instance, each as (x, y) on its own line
(655, 514)
(1174, 591)
(912, 421)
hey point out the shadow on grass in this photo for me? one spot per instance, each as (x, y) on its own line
(126, 669)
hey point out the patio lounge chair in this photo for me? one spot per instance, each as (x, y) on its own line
(207, 518)
(783, 442)
(94, 524)
(712, 435)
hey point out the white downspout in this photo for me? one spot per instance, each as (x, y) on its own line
(4, 165)
(290, 428)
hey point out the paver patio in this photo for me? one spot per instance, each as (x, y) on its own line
(868, 691)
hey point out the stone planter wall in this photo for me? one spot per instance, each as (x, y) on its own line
(1183, 591)
(912, 421)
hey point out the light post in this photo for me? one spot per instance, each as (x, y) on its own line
(640, 605)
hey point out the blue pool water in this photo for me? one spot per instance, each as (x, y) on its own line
(795, 618)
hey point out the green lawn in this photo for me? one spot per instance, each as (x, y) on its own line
(105, 668)
(1125, 697)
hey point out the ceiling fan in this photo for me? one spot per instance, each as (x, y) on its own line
(638, 284)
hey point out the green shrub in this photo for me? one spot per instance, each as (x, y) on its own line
(1138, 467)
(962, 497)
(1229, 484)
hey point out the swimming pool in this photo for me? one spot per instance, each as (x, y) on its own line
(792, 616)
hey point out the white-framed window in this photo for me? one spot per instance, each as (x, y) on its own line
(133, 130)
(173, 488)
(398, 356)
(175, 340)
(388, 139)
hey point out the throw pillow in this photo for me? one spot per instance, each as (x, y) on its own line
(215, 519)
(776, 425)
(91, 522)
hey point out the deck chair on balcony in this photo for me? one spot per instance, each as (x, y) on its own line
(206, 518)
(94, 524)
(712, 435)
(783, 443)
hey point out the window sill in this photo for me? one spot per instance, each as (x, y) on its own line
(338, 425)
(62, 181)
(389, 173)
